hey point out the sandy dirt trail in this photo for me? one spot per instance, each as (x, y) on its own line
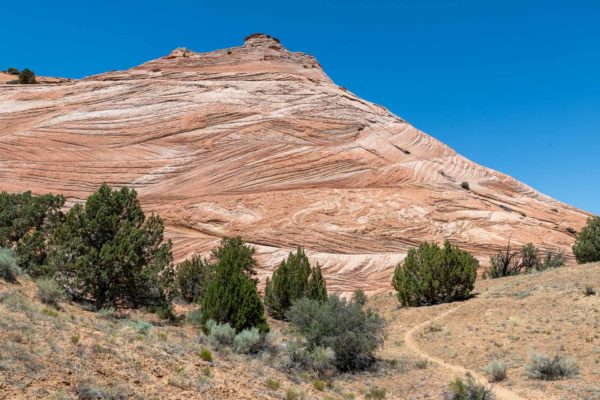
(500, 392)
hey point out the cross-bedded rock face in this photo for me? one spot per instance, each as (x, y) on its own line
(257, 141)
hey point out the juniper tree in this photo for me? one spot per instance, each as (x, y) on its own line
(107, 251)
(231, 295)
(293, 279)
(587, 245)
(27, 77)
(433, 274)
(316, 288)
(25, 225)
(287, 284)
(191, 277)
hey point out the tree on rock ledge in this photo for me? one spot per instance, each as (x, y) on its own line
(27, 77)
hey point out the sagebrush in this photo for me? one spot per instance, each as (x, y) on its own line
(350, 330)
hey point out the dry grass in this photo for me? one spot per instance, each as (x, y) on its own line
(514, 318)
(71, 353)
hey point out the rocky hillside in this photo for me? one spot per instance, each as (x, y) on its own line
(257, 141)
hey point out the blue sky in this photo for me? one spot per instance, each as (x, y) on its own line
(513, 85)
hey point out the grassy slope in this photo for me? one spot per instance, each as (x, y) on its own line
(57, 354)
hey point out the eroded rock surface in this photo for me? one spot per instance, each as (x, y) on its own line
(257, 141)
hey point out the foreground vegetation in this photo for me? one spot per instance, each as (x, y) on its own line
(107, 256)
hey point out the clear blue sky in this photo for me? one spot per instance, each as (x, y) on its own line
(513, 85)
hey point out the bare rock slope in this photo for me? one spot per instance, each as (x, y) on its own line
(257, 141)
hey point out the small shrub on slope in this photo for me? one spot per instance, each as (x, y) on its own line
(49, 292)
(9, 269)
(220, 334)
(206, 355)
(510, 261)
(467, 389)
(548, 368)
(247, 341)
(552, 260)
(376, 393)
(352, 332)
(496, 371)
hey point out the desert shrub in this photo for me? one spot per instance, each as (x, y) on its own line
(220, 334)
(552, 260)
(9, 269)
(504, 263)
(25, 224)
(247, 341)
(496, 371)
(75, 339)
(88, 391)
(530, 257)
(467, 389)
(548, 368)
(49, 292)
(273, 384)
(191, 277)
(17, 302)
(319, 385)
(587, 245)
(107, 251)
(589, 290)
(293, 394)
(319, 361)
(376, 393)
(258, 34)
(194, 318)
(27, 77)
(142, 327)
(292, 280)
(511, 261)
(465, 185)
(231, 295)
(360, 297)
(164, 312)
(107, 313)
(432, 275)
(351, 331)
(205, 354)
(13, 71)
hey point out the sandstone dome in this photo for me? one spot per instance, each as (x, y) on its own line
(257, 141)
